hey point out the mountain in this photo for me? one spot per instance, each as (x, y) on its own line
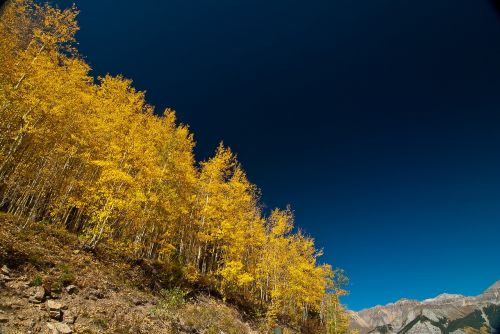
(446, 313)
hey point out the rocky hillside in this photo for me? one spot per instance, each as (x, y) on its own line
(48, 284)
(446, 313)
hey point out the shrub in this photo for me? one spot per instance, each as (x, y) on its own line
(66, 277)
(213, 318)
(172, 299)
(37, 280)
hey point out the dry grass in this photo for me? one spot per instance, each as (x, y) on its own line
(130, 298)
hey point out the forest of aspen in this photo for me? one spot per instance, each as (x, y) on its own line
(91, 155)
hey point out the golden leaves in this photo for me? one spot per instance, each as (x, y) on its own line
(92, 155)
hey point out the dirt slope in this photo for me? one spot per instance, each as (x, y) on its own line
(48, 284)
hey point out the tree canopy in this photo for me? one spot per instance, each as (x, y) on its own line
(91, 155)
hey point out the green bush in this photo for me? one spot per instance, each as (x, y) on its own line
(171, 300)
(66, 277)
(173, 297)
(37, 280)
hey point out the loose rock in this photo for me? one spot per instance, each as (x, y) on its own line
(94, 295)
(5, 278)
(54, 309)
(19, 285)
(53, 305)
(3, 318)
(38, 295)
(55, 295)
(71, 289)
(138, 301)
(59, 328)
(69, 317)
(5, 270)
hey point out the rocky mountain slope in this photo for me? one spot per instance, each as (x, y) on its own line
(48, 284)
(447, 313)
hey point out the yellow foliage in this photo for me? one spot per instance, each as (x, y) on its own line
(93, 156)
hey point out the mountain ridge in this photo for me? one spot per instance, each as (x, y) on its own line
(445, 313)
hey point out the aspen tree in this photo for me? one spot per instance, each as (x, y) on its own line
(93, 156)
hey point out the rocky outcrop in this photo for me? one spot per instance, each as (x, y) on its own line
(446, 313)
(21, 306)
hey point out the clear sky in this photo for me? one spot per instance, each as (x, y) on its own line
(378, 121)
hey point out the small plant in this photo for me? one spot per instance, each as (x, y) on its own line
(173, 298)
(36, 260)
(66, 277)
(163, 311)
(37, 281)
(212, 330)
(101, 323)
(259, 313)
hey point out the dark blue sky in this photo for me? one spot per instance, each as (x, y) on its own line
(378, 121)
